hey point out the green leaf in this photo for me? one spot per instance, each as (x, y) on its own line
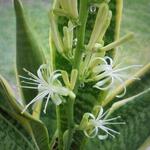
(28, 51)
(12, 135)
(137, 117)
(31, 124)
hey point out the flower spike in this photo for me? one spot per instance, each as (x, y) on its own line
(47, 84)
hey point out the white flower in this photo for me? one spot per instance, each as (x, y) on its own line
(106, 74)
(47, 84)
(99, 124)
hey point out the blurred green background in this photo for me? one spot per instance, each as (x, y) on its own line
(136, 18)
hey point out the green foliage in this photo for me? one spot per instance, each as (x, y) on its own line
(12, 135)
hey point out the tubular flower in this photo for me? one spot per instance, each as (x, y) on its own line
(47, 84)
(99, 124)
(101, 24)
(70, 6)
(106, 74)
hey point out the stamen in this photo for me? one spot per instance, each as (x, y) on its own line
(126, 68)
(30, 74)
(28, 78)
(28, 87)
(100, 116)
(112, 118)
(46, 104)
(104, 129)
(38, 97)
(112, 130)
(30, 83)
(114, 123)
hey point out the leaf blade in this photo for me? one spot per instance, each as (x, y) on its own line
(28, 50)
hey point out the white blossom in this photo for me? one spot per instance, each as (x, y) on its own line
(47, 84)
(99, 124)
(106, 74)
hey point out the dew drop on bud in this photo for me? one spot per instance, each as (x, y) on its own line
(82, 85)
(92, 9)
(75, 42)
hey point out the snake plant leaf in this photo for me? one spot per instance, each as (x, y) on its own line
(136, 130)
(133, 86)
(29, 53)
(12, 135)
(31, 124)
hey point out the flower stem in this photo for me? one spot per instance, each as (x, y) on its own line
(81, 32)
(83, 15)
(70, 110)
(60, 135)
